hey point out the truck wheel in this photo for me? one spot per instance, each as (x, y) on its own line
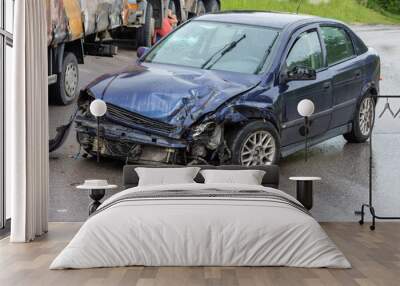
(65, 90)
(363, 121)
(212, 6)
(145, 34)
(257, 143)
(201, 8)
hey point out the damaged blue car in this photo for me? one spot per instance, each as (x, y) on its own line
(223, 88)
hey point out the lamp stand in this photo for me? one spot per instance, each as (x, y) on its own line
(98, 139)
(306, 130)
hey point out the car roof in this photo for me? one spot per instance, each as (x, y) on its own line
(258, 18)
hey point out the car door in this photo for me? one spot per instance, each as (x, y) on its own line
(347, 73)
(306, 49)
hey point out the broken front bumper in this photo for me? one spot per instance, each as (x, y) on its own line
(118, 141)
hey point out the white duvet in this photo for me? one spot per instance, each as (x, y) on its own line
(200, 231)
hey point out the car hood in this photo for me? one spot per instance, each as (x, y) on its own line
(170, 94)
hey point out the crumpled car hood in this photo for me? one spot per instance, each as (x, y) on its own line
(170, 94)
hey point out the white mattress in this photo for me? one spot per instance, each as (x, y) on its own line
(200, 232)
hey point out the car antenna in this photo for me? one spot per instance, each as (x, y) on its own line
(298, 6)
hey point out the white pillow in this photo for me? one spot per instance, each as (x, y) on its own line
(247, 177)
(166, 176)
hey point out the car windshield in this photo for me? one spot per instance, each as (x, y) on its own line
(218, 46)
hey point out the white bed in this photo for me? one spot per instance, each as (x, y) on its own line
(183, 230)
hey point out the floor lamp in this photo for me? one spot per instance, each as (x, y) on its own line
(306, 108)
(98, 108)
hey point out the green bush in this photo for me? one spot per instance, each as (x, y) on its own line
(392, 6)
(350, 11)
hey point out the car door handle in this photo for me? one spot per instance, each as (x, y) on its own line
(357, 74)
(326, 85)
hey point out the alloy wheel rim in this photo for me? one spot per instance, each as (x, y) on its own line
(366, 116)
(71, 79)
(258, 149)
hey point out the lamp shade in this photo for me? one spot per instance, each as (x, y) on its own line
(305, 107)
(98, 107)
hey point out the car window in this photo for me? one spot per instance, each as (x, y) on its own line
(201, 44)
(338, 44)
(306, 52)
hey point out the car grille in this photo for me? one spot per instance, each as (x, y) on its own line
(129, 118)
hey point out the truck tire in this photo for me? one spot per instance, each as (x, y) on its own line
(66, 89)
(212, 6)
(145, 34)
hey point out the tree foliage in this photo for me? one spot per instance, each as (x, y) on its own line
(392, 6)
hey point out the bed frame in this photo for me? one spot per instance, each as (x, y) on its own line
(271, 178)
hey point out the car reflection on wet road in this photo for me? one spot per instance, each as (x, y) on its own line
(342, 166)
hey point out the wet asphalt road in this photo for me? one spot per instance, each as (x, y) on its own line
(343, 167)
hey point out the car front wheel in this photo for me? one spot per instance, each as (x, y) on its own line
(363, 121)
(257, 143)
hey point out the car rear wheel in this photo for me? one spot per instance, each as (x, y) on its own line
(257, 143)
(363, 121)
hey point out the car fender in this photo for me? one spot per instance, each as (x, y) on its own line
(243, 113)
(373, 70)
(370, 88)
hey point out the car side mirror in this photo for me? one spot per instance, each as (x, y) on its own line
(141, 51)
(298, 73)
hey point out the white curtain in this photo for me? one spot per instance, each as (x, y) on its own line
(27, 165)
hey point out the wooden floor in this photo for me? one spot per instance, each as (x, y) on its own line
(375, 257)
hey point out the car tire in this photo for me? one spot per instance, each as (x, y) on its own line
(201, 8)
(362, 127)
(250, 148)
(66, 89)
(145, 34)
(212, 6)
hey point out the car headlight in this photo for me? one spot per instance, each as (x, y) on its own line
(207, 127)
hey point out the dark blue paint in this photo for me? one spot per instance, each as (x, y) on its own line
(257, 18)
(171, 94)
